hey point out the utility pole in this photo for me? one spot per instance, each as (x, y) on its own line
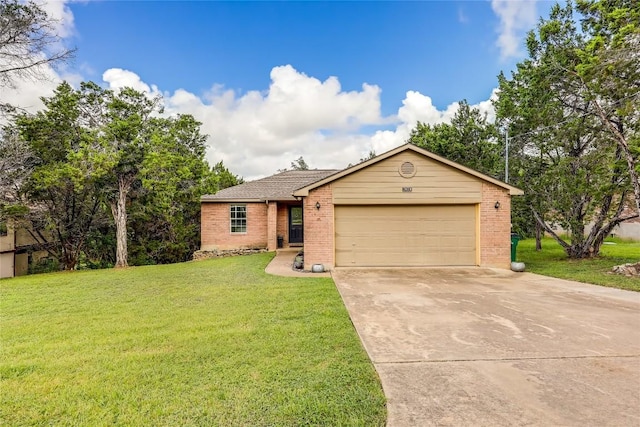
(506, 156)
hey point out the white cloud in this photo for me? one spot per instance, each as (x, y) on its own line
(417, 107)
(117, 78)
(516, 18)
(59, 12)
(259, 132)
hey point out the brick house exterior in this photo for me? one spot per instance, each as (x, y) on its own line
(406, 207)
(267, 203)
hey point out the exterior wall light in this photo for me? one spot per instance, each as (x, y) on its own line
(497, 205)
(318, 205)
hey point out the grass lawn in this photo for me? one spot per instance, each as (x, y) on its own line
(212, 343)
(552, 261)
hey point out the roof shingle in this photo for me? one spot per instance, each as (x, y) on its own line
(275, 187)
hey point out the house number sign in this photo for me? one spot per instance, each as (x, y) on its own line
(407, 189)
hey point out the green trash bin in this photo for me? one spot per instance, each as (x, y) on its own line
(514, 244)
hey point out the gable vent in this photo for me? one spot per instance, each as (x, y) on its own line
(407, 170)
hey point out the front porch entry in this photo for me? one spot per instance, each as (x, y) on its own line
(295, 225)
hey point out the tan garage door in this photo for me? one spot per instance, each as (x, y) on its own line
(405, 235)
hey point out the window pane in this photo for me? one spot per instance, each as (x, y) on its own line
(296, 215)
(238, 218)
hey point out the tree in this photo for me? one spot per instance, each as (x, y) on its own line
(370, 155)
(609, 72)
(127, 133)
(299, 165)
(219, 179)
(570, 167)
(16, 164)
(100, 153)
(469, 140)
(63, 189)
(165, 207)
(28, 43)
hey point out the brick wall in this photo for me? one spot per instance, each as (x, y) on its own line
(495, 227)
(318, 228)
(272, 221)
(283, 223)
(216, 229)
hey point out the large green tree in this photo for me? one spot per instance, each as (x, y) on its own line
(609, 72)
(102, 153)
(165, 207)
(470, 139)
(63, 190)
(569, 164)
(129, 137)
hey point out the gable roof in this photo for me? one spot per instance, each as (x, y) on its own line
(275, 187)
(304, 191)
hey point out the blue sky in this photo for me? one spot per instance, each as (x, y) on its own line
(272, 81)
(400, 46)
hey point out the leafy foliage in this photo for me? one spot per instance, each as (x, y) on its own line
(101, 153)
(469, 140)
(64, 188)
(570, 165)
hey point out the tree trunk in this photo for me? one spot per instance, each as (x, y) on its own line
(119, 211)
(69, 259)
(538, 232)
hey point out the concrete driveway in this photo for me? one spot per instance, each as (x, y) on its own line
(491, 347)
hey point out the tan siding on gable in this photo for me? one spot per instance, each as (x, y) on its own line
(433, 183)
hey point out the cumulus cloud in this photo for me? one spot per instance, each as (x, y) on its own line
(259, 132)
(516, 17)
(417, 107)
(117, 78)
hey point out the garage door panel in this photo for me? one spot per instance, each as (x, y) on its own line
(405, 235)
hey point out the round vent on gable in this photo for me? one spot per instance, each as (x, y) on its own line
(407, 170)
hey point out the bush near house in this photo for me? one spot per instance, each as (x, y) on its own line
(216, 342)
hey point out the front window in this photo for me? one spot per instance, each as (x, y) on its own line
(238, 218)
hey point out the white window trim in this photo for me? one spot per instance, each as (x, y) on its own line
(232, 219)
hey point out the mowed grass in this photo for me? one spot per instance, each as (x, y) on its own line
(552, 261)
(212, 343)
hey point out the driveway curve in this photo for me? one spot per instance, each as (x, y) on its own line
(491, 347)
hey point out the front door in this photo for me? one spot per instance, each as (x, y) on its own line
(295, 224)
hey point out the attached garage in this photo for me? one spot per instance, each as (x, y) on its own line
(405, 236)
(407, 207)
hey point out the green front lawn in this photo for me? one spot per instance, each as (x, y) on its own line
(212, 343)
(552, 261)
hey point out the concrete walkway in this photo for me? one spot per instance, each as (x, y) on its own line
(484, 347)
(282, 265)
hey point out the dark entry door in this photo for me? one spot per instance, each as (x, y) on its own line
(295, 224)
